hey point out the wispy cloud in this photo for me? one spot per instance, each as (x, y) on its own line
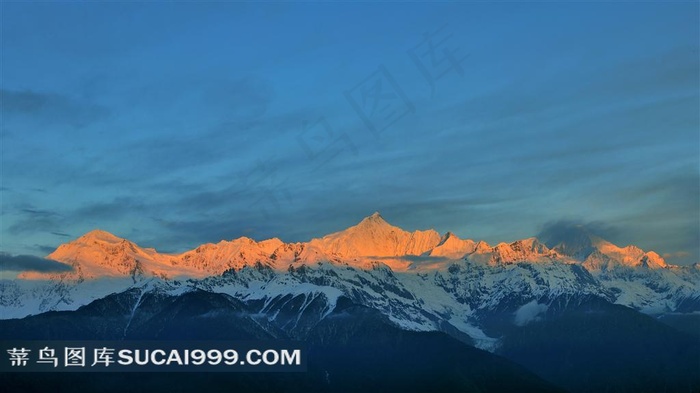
(676, 255)
(31, 220)
(555, 232)
(47, 108)
(44, 249)
(205, 137)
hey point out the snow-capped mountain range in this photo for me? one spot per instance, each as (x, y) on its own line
(421, 280)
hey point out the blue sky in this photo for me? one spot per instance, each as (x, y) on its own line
(178, 124)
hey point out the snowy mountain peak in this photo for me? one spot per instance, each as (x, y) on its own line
(452, 247)
(531, 244)
(529, 250)
(375, 216)
(98, 254)
(373, 236)
(99, 236)
(482, 246)
(607, 256)
(449, 238)
(373, 240)
(653, 260)
(374, 220)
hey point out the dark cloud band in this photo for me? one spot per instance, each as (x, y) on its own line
(20, 263)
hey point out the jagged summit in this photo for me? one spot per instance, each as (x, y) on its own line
(451, 246)
(373, 221)
(607, 256)
(374, 216)
(575, 241)
(374, 237)
(100, 235)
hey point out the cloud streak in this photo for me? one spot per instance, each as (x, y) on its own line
(555, 232)
(50, 108)
(209, 136)
(20, 263)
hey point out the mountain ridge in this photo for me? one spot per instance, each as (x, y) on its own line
(509, 298)
(99, 253)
